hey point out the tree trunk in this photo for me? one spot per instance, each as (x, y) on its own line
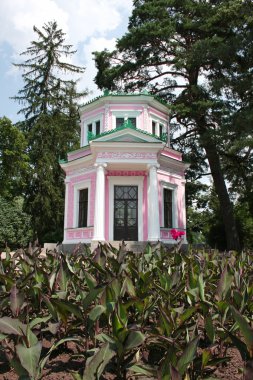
(226, 207)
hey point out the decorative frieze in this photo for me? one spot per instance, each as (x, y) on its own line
(126, 173)
(126, 156)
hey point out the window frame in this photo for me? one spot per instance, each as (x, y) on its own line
(123, 114)
(77, 187)
(91, 121)
(159, 123)
(174, 189)
(84, 203)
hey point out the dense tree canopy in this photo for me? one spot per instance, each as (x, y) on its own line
(191, 53)
(13, 159)
(15, 226)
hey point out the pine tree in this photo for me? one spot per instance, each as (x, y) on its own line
(51, 125)
(172, 48)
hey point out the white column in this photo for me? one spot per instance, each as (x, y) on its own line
(66, 208)
(99, 217)
(153, 205)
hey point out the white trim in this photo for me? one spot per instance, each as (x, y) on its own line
(158, 121)
(135, 181)
(77, 241)
(67, 184)
(91, 120)
(124, 114)
(80, 172)
(174, 188)
(79, 186)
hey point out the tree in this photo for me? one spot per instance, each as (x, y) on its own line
(51, 125)
(15, 227)
(172, 48)
(45, 90)
(13, 159)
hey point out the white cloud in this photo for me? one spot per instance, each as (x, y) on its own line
(89, 25)
(79, 19)
(95, 44)
(17, 18)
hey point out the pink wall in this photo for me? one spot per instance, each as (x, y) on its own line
(180, 197)
(71, 206)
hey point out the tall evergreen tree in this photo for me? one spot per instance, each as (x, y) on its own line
(49, 103)
(45, 90)
(171, 48)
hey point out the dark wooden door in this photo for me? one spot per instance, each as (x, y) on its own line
(126, 213)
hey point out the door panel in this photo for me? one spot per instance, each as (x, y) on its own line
(126, 213)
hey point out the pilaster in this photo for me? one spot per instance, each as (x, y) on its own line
(153, 205)
(99, 217)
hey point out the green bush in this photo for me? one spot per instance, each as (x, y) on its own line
(15, 228)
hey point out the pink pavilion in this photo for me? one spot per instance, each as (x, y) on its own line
(125, 182)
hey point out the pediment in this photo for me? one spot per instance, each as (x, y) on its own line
(128, 135)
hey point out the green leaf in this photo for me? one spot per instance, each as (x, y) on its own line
(128, 287)
(187, 314)
(7, 280)
(64, 307)
(91, 296)
(12, 326)
(63, 276)
(38, 321)
(241, 346)
(134, 339)
(51, 279)
(53, 347)
(90, 280)
(188, 355)
(96, 365)
(206, 354)
(16, 300)
(96, 312)
(76, 375)
(201, 287)
(245, 329)
(50, 306)
(104, 338)
(142, 369)
(224, 284)
(209, 328)
(19, 369)
(29, 357)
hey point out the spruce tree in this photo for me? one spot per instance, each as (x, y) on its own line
(172, 48)
(49, 103)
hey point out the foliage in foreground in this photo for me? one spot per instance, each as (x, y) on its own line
(163, 314)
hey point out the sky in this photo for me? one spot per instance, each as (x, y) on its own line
(90, 25)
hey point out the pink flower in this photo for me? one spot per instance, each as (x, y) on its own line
(176, 234)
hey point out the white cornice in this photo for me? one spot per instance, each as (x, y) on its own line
(124, 99)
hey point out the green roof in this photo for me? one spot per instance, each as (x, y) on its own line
(108, 93)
